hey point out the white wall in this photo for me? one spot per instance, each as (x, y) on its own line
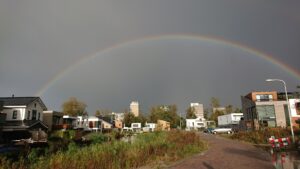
(9, 113)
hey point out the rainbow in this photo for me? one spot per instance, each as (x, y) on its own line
(210, 39)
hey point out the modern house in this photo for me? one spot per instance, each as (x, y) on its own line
(163, 125)
(53, 119)
(264, 109)
(23, 116)
(149, 127)
(195, 124)
(70, 122)
(295, 111)
(229, 120)
(94, 123)
(136, 127)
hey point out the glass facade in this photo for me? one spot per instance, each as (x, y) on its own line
(266, 115)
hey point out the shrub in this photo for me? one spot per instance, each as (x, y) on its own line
(260, 136)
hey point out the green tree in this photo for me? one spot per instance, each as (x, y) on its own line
(190, 113)
(130, 118)
(206, 113)
(215, 102)
(214, 116)
(229, 109)
(165, 112)
(237, 110)
(74, 107)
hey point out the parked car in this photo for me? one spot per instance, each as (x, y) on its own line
(208, 130)
(222, 130)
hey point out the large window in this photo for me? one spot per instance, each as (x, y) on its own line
(264, 97)
(266, 115)
(15, 114)
(28, 115)
(33, 115)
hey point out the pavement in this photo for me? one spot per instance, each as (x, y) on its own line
(224, 153)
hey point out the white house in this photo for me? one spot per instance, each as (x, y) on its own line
(229, 120)
(23, 113)
(136, 127)
(23, 118)
(195, 124)
(149, 127)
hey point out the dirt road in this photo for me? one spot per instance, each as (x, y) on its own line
(227, 154)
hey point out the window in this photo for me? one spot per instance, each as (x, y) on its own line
(264, 97)
(33, 115)
(298, 108)
(28, 115)
(15, 114)
(39, 116)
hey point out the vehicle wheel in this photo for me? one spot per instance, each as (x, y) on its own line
(214, 132)
(229, 132)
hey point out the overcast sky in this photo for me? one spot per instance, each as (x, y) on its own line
(41, 39)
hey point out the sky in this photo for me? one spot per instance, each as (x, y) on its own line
(109, 53)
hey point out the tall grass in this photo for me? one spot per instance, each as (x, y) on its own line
(145, 148)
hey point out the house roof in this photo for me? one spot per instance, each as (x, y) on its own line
(18, 101)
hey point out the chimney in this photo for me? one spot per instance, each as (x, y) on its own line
(13, 96)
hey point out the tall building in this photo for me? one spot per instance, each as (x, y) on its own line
(264, 109)
(134, 108)
(199, 111)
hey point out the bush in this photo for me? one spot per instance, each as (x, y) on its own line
(261, 136)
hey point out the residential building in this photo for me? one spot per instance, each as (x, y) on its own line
(163, 125)
(94, 123)
(149, 127)
(106, 125)
(118, 116)
(23, 116)
(195, 124)
(70, 122)
(264, 109)
(53, 119)
(295, 111)
(136, 127)
(134, 108)
(118, 124)
(229, 120)
(198, 109)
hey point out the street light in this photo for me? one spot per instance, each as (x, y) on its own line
(287, 102)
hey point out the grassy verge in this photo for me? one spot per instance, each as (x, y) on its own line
(261, 136)
(145, 148)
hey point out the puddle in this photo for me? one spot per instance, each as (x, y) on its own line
(286, 160)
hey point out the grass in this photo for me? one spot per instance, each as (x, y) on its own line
(146, 148)
(261, 136)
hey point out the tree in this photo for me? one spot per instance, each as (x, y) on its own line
(214, 116)
(237, 110)
(74, 107)
(165, 112)
(190, 113)
(130, 118)
(103, 113)
(229, 109)
(206, 112)
(215, 102)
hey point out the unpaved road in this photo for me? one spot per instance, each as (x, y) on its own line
(227, 154)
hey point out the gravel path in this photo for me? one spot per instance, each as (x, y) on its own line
(227, 154)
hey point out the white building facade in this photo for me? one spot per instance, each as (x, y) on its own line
(228, 120)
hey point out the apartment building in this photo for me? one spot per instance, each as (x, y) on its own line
(264, 109)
